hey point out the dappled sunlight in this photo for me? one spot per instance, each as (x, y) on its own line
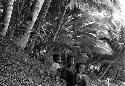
(99, 14)
(120, 15)
(104, 47)
(45, 38)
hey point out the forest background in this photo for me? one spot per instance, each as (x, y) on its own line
(32, 30)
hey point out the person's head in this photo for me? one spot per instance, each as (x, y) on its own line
(80, 67)
(56, 58)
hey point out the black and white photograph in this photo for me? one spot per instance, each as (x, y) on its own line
(62, 42)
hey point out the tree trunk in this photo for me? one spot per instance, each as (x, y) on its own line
(22, 43)
(7, 17)
(122, 40)
(123, 35)
(60, 23)
(41, 20)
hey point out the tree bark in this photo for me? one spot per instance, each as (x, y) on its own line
(7, 17)
(41, 20)
(123, 35)
(22, 43)
(122, 40)
(59, 25)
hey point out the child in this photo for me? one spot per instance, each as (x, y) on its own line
(68, 72)
(57, 60)
(80, 68)
(56, 66)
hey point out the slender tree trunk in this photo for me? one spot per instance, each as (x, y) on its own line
(122, 40)
(41, 20)
(22, 43)
(60, 23)
(124, 56)
(7, 17)
(123, 35)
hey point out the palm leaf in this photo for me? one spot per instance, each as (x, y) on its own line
(104, 46)
(88, 40)
(101, 4)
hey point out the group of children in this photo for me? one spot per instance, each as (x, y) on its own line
(72, 73)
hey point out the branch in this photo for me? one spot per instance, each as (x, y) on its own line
(61, 21)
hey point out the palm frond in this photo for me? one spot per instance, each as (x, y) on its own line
(101, 4)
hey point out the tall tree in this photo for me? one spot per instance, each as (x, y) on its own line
(22, 43)
(7, 17)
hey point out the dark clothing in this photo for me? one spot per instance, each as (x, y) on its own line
(69, 76)
(72, 78)
(82, 82)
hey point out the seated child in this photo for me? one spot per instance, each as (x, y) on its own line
(56, 66)
(68, 72)
(80, 68)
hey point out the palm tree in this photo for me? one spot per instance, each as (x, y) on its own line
(22, 43)
(41, 21)
(7, 17)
